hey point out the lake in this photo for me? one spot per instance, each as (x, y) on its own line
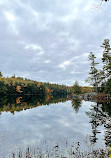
(31, 122)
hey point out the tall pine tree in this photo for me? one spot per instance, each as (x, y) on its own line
(94, 74)
(106, 58)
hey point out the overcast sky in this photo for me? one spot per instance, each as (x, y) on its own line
(49, 40)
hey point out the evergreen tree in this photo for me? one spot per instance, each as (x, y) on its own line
(108, 87)
(94, 74)
(106, 58)
(76, 88)
(1, 74)
(101, 80)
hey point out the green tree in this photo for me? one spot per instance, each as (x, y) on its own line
(1, 74)
(13, 76)
(94, 73)
(108, 86)
(106, 59)
(76, 88)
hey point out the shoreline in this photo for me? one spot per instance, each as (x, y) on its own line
(92, 96)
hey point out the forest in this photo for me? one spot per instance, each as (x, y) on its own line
(19, 86)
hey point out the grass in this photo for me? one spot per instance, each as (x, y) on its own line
(56, 151)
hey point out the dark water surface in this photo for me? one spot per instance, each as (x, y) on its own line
(23, 124)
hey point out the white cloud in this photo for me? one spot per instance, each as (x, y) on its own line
(76, 72)
(1, 2)
(33, 47)
(47, 61)
(41, 53)
(56, 37)
(36, 48)
(10, 16)
(64, 64)
(13, 29)
(89, 6)
(12, 22)
(70, 17)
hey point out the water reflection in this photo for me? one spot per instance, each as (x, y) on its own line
(76, 104)
(70, 120)
(100, 115)
(14, 103)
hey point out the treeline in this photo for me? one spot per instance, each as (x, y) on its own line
(20, 86)
(100, 79)
(23, 86)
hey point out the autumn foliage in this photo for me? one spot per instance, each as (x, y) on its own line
(18, 89)
(19, 86)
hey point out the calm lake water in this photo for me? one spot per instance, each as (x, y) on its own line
(24, 124)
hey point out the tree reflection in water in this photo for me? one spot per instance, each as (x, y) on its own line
(100, 114)
(14, 103)
(76, 104)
